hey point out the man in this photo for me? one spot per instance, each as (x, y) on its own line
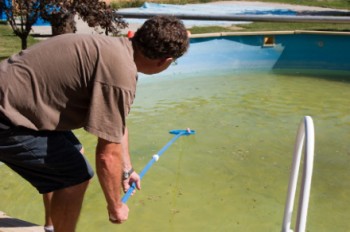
(79, 81)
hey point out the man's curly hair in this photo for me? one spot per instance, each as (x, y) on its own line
(161, 37)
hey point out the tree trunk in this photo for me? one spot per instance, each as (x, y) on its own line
(24, 42)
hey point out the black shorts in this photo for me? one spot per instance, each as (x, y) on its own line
(49, 160)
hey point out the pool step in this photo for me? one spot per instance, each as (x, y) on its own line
(9, 224)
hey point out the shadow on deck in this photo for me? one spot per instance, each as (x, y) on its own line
(9, 224)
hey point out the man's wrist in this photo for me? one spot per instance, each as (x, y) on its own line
(127, 174)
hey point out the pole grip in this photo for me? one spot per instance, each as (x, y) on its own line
(127, 195)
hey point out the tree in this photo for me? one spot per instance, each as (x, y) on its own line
(96, 13)
(22, 14)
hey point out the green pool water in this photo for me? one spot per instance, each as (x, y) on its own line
(233, 174)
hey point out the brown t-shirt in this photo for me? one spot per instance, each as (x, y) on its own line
(71, 81)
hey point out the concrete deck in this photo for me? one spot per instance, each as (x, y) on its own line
(9, 224)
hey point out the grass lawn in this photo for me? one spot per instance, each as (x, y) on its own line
(259, 26)
(9, 43)
(266, 26)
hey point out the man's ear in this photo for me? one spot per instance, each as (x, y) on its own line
(165, 62)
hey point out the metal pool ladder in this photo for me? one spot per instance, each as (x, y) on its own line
(306, 132)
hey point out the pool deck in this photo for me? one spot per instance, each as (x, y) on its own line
(10, 224)
(83, 28)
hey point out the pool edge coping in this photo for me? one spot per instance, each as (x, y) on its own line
(222, 34)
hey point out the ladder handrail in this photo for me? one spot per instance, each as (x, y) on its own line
(306, 132)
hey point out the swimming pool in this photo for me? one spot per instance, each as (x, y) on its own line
(304, 51)
(233, 174)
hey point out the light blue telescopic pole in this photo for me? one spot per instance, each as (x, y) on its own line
(177, 133)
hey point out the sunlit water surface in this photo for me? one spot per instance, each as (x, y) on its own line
(233, 174)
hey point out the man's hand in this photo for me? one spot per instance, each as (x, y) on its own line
(118, 215)
(134, 178)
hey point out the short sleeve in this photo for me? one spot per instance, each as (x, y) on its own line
(108, 110)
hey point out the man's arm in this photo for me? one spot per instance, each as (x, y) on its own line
(127, 166)
(125, 149)
(109, 170)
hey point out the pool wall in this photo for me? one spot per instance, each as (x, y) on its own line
(297, 50)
